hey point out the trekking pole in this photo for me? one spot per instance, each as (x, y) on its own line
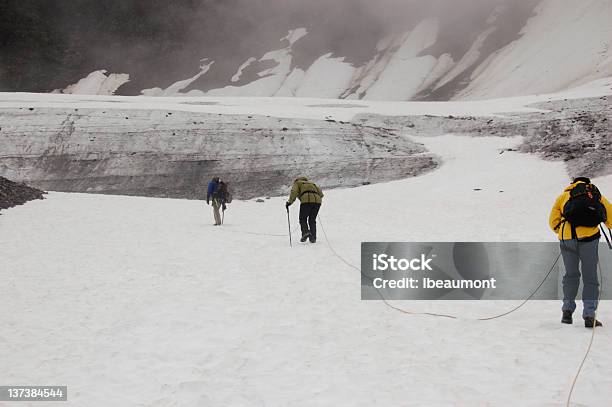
(606, 236)
(222, 216)
(289, 224)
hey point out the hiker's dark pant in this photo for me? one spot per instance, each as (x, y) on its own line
(577, 257)
(308, 218)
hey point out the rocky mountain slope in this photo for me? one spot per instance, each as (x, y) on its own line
(514, 49)
(350, 49)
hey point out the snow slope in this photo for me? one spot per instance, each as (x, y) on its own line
(406, 70)
(271, 80)
(98, 83)
(141, 301)
(312, 84)
(564, 45)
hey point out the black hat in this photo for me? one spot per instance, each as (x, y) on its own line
(581, 179)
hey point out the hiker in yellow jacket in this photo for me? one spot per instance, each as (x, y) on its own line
(575, 217)
(310, 196)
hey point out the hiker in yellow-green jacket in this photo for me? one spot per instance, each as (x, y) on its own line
(310, 196)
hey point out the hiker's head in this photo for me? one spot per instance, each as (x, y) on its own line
(301, 179)
(581, 179)
(216, 179)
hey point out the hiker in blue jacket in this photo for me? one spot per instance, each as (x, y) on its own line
(213, 186)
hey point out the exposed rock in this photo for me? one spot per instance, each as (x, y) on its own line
(156, 153)
(13, 193)
(576, 131)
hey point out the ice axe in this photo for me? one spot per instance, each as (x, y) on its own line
(223, 207)
(289, 224)
(606, 236)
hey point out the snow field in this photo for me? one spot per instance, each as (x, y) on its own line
(140, 301)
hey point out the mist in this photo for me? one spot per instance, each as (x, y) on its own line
(159, 42)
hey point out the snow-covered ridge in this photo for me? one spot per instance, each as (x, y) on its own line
(564, 44)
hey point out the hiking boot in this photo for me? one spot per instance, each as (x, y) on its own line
(567, 317)
(305, 237)
(589, 322)
(313, 239)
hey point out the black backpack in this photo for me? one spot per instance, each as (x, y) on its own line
(584, 207)
(223, 193)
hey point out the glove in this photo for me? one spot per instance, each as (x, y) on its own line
(207, 202)
(287, 205)
(223, 207)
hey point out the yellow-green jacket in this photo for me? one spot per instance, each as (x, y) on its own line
(306, 191)
(565, 232)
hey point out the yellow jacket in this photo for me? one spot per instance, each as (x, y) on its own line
(565, 232)
(306, 191)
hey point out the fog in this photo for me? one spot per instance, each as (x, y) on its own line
(158, 42)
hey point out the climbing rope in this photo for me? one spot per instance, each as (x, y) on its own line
(588, 350)
(404, 311)
(246, 232)
(529, 297)
(431, 313)
(331, 248)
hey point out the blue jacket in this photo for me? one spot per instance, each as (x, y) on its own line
(212, 188)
